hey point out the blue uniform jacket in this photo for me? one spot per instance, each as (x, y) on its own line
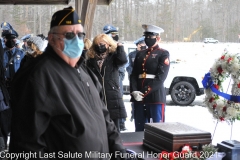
(3, 44)
(131, 58)
(15, 62)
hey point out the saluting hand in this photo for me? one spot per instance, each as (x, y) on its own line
(119, 44)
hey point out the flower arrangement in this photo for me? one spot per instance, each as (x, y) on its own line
(224, 107)
(208, 151)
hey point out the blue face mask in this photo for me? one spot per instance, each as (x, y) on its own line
(73, 48)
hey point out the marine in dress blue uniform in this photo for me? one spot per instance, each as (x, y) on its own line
(150, 70)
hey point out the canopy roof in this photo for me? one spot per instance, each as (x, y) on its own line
(85, 8)
(45, 2)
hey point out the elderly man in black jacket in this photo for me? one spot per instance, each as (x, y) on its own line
(57, 111)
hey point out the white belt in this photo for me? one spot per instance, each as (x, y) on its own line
(151, 76)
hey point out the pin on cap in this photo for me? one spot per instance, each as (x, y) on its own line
(67, 16)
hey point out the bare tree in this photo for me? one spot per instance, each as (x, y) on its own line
(180, 19)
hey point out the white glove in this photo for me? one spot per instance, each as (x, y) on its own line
(138, 96)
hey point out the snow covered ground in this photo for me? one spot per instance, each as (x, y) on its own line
(196, 55)
(195, 115)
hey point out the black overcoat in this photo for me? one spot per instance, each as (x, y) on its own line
(109, 78)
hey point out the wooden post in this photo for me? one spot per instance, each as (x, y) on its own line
(78, 6)
(86, 10)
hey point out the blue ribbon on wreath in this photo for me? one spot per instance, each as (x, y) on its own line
(208, 83)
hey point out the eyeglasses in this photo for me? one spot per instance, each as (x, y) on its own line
(71, 35)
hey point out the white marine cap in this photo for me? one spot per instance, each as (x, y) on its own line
(151, 29)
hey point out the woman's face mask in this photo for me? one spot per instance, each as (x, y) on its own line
(100, 48)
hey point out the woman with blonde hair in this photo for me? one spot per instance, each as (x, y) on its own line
(87, 43)
(105, 56)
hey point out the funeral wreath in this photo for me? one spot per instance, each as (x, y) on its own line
(223, 106)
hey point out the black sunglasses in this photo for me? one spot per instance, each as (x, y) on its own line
(71, 35)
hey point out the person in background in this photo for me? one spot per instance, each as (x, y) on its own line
(6, 28)
(113, 32)
(56, 106)
(45, 40)
(149, 72)
(34, 48)
(5, 111)
(18, 44)
(105, 58)
(42, 36)
(131, 57)
(24, 39)
(87, 44)
(12, 56)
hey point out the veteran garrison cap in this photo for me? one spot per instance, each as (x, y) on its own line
(152, 29)
(67, 16)
(139, 41)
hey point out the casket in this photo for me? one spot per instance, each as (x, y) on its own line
(172, 136)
